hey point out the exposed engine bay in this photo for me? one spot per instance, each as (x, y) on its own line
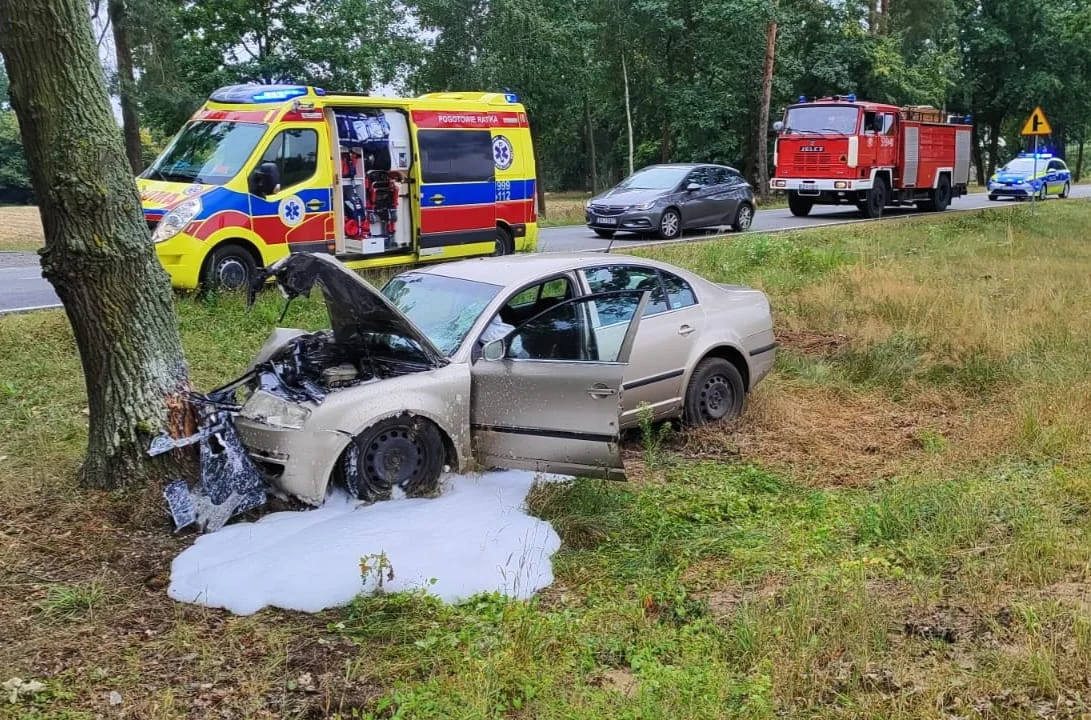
(370, 340)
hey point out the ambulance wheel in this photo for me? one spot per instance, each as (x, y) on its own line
(1065, 190)
(229, 268)
(876, 199)
(800, 206)
(505, 243)
(604, 234)
(670, 224)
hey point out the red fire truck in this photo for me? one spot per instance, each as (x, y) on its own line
(837, 151)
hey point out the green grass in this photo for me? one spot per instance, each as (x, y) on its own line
(898, 527)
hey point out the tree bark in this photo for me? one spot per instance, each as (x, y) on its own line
(1079, 161)
(994, 145)
(762, 136)
(123, 51)
(873, 16)
(979, 159)
(628, 109)
(591, 147)
(98, 255)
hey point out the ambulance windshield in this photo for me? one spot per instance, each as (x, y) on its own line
(205, 152)
(839, 119)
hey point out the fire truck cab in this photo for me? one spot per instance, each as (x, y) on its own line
(837, 151)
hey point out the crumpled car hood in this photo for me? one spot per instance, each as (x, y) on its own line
(357, 310)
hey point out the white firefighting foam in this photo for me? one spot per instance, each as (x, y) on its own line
(476, 537)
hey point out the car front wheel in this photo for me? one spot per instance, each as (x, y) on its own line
(1065, 190)
(670, 224)
(716, 392)
(405, 451)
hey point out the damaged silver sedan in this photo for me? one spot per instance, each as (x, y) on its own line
(516, 363)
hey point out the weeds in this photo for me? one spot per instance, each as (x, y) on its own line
(653, 436)
(74, 602)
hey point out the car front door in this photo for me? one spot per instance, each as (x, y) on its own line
(698, 205)
(547, 396)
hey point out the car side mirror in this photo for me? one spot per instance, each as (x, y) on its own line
(265, 179)
(778, 126)
(692, 187)
(494, 350)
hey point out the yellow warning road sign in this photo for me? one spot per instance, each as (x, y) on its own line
(1037, 124)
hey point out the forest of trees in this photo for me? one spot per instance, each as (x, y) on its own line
(689, 72)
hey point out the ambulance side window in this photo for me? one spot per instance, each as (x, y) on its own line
(451, 156)
(295, 153)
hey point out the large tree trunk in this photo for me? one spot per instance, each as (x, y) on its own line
(979, 159)
(1079, 161)
(994, 145)
(873, 16)
(763, 116)
(123, 51)
(98, 255)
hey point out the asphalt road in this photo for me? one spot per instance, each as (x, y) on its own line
(22, 288)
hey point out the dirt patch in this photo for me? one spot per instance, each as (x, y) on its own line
(620, 680)
(1073, 594)
(812, 344)
(826, 437)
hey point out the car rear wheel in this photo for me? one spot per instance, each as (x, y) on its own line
(405, 451)
(716, 392)
(744, 216)
(799, 205)
(604, 234)
(230, 268)
(670, 224)
(1065, 190)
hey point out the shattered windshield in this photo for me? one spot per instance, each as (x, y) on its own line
(209, 153)
(444, 308)
(822, 119)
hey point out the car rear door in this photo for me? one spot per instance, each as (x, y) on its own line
(551, 403)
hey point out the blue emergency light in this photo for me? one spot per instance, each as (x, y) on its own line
(253, 93)
(851, 97)
(1040, 156)
(803, 98)
(511, 98)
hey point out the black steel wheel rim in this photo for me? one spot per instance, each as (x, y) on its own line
(395, 456)
(717, 397)
(231, 273)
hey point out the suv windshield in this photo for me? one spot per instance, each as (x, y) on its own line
(822, 119)
(205, 152)
(443, 308)
(654, 178)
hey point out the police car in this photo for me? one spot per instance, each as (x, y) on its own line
(1028, 175)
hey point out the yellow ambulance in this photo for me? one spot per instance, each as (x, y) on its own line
(261, 171)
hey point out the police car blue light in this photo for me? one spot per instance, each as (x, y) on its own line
(1031, 174)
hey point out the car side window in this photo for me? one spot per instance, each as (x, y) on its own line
(679, 292)
(733, 177)
(536, 298)
(629, 277)
(589, 329)
(295, 153)
(720, 176)
(701, 176)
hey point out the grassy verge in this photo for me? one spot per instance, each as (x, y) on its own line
(897, 527)
(20, 228)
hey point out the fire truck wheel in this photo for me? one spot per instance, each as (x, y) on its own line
(605, 234)
(670, 225)
(230, 268)
(800, 206)
(940, 198)
(876, 199)
(743, 217)
(1065, 190)
(505, 243)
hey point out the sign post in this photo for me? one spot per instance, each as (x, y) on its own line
(1036, 125)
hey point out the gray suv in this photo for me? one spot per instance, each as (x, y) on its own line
(665, 200)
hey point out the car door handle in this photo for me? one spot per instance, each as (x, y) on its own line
(685, 330)
(600, 391)
(437, 199)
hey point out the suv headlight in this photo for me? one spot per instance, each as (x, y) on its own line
(643, 206)
(173, 222)
(271, 409)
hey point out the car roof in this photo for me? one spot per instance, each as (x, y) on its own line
(524, 268)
